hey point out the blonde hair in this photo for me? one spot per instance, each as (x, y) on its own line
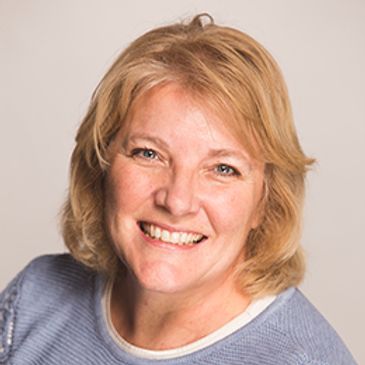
(235, 76)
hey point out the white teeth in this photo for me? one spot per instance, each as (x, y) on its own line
(157, 232)
(175, 237)
(183, 238)
(165, 236)
(179, 238)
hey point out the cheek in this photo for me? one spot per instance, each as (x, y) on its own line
(127, 188)
(233, 210)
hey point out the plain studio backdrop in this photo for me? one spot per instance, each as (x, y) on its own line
(53, 53)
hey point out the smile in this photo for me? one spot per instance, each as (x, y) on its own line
(177, 238)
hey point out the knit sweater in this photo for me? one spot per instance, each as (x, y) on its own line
(52, 314)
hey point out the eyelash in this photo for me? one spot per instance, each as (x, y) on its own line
(233, 171)
(140, 152)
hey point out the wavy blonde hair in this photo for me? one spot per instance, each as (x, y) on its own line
(229, 72)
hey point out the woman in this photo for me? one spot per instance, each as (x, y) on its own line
(182, 220)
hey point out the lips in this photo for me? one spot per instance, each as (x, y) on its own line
(181, 238)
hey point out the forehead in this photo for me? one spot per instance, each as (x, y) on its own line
(173, 104)
(182, 111)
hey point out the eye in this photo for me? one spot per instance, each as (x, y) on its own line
(145, 153)
(226, 170)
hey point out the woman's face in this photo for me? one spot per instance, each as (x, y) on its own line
(182, 194)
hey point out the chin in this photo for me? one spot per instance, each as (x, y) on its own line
(161, 277)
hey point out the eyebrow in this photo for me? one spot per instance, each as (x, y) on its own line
(227, 152)
(154, 139)
(220, 152)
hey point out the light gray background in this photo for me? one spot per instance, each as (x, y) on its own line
(53, 53)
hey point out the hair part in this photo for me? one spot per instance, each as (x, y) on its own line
(230, 73)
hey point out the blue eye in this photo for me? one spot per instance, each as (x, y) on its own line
(145, 153)
(226, 170)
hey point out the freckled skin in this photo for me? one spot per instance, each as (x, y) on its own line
(183, 188)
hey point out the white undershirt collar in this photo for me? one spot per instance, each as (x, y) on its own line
(253, 310)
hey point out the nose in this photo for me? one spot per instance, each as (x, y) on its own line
(178, 195)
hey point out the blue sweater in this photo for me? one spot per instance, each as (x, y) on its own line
(51, 313)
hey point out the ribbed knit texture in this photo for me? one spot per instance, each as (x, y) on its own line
(51, 314)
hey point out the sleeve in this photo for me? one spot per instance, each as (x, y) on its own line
(32, 296)
(8, 302)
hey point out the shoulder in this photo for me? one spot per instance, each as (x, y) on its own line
(292, 331)
(305, 330)
(48, 270)
(50, 276)
(55, 265)
(46, 288)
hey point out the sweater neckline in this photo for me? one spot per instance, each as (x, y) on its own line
(254, 309)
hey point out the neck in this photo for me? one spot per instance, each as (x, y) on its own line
(160, 321)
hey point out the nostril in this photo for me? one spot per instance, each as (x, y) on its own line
(160, 196)
(178, 194)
